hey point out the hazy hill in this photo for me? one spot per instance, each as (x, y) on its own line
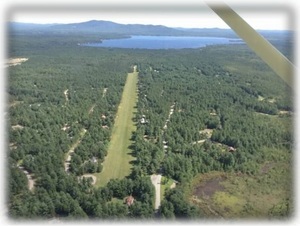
(111, 27)
(100, 26)
(108, 27)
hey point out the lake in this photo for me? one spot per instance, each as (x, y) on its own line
(163, 42)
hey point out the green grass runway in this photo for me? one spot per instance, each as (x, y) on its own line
(117, 162)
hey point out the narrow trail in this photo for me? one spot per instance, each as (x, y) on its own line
(66, 95)
(156, 178)
(172, 107)
(69, 154)
(104, 92)
(82, 133)
(169, 117)
(166, 126)
(29, 176)
(92, 109)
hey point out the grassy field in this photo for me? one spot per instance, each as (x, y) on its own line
(117, 161)
(233, 195)
(165, 184)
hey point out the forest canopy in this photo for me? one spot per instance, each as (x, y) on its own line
(199, 111)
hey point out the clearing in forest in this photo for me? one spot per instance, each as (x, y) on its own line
(104, 92)
(15, 61)
(66, 95)
(242, 195)
(117, 161)
(94, 179)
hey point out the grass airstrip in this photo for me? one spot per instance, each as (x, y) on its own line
(117, 162)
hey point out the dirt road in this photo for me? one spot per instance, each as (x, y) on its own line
(72, 149)
(29, 177)
(66, 95)
(155, 179)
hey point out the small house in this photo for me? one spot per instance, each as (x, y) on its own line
(231, 149)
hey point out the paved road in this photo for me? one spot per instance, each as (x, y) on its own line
(155, 179)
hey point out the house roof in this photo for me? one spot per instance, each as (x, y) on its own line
(129, 200)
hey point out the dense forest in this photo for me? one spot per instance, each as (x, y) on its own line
(212, 112)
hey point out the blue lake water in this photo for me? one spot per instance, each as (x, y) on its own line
(163, 42)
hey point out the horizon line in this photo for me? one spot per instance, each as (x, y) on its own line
(85, 21)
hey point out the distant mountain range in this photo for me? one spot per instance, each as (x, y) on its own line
(111, 27)
(100, 26)
(108, 27)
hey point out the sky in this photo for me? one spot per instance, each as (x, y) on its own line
(197, 15)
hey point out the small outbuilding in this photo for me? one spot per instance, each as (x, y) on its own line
(231, 149)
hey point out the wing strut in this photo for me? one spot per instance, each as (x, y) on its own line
(264, 49)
